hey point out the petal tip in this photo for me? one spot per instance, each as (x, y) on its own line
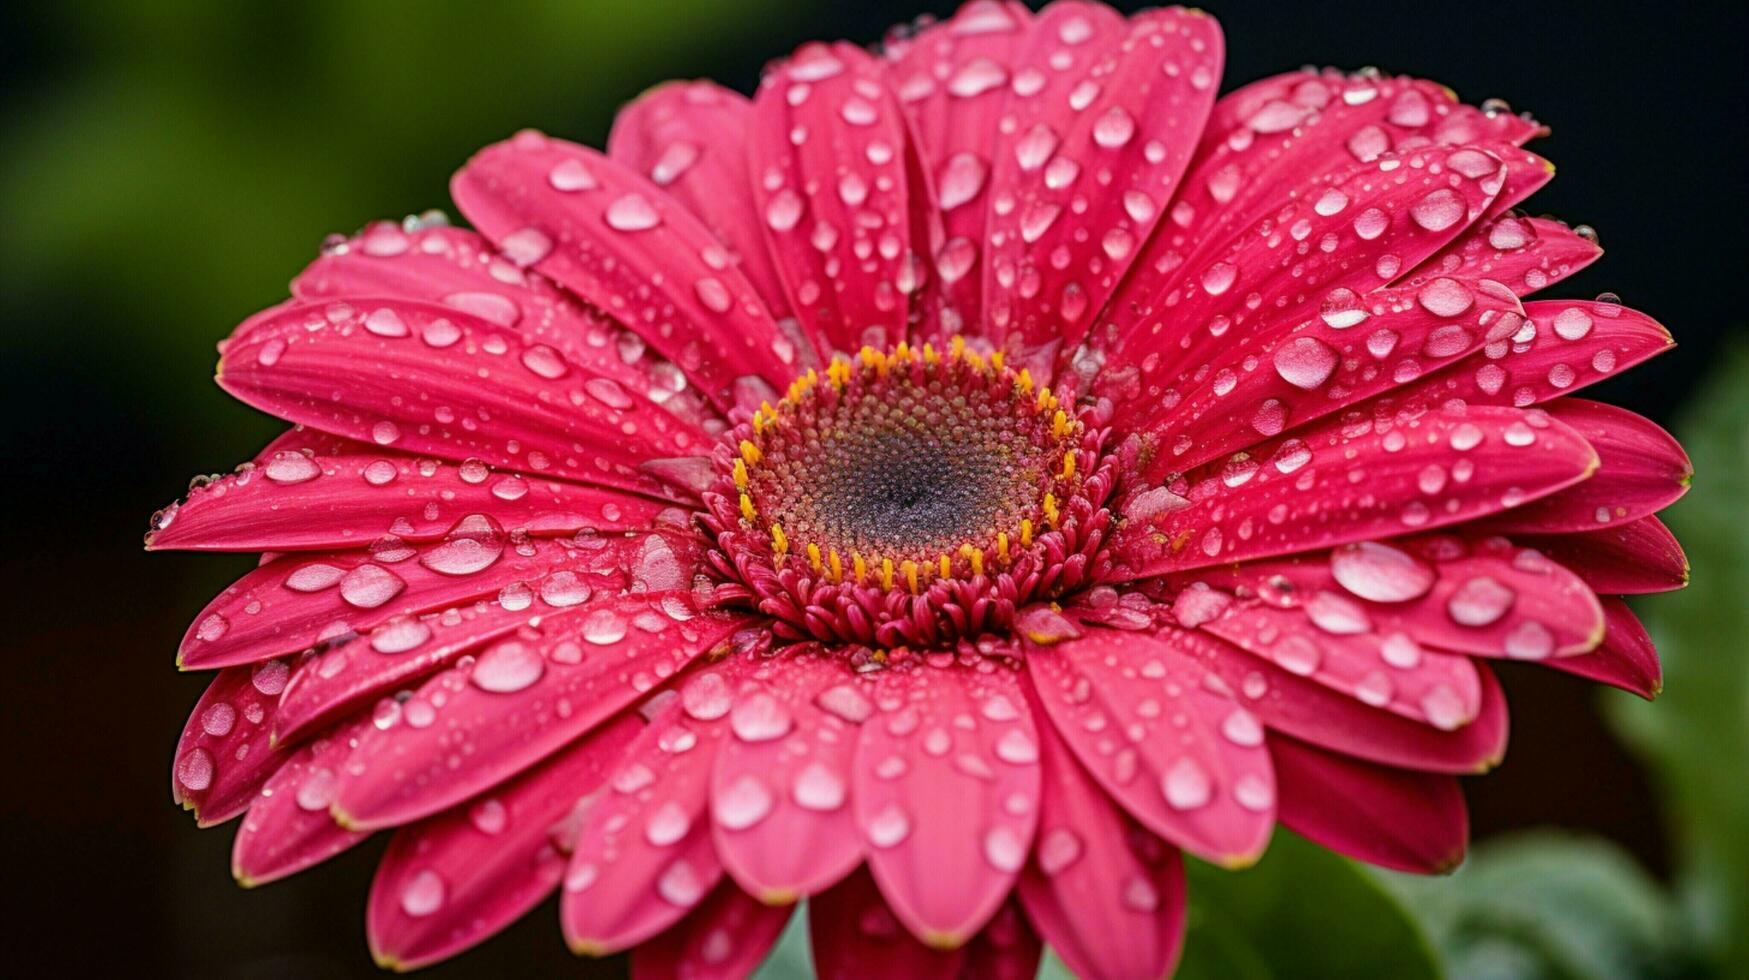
(778, 897)
(593, 948)
(944, 941)
(346, 820)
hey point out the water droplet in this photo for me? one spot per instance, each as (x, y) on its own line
(369, 586)
(1480, 601)
(509, 667)
(1380, 572)
(1305, 362)
(632, 212)
(1186, 785)
(423, 894)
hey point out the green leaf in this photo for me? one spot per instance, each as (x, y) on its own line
(1301, 912)
(791, 958)
(1695, 737)
(1548, 905)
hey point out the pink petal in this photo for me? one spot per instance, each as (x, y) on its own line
(1185, 761)
(644, 859)
(1106, 895)
(1310, 370)
(1525, 254)
(394, 655)
(1439, 689)
(855, 935)
(952, 80)
(368, 370)
(621, 244)
(520, 702)
(827, 154)
(1643, 471)
(226, 751)
(1629, 559)
(1268, 137)
(725, 938)
(1351, 478)
(461, 270)
(690, 139)
(288, 827)
(1094, 157)
(1482, 596)
(946, 791)
(1308, 711)
(1406, 821)
(783, 825)
(1565, 346)
(355, 493)
(453, 881)
(1626, 658)
(1357, 232)
(303, 600)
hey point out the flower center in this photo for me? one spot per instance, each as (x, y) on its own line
(909, 498)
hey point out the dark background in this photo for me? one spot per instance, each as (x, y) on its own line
(166, 167)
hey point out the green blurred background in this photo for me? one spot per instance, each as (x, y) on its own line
(166, 167)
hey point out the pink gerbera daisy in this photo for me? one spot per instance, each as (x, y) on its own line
(943, 486)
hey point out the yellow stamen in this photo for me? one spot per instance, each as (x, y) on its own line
(1051, 509)
(751, 453)
(946, 567)
(996, 359)
(814, 557)
(740, 474)
(1024, 382)
(976, 360)
(747, 511)
(779, 542)
(887, 573)
(1002, 546)
(1044, 398)
(975, 556)
(1069, 465)
(859, 567)
(902, 352)
(930, 357)
(1026, 532)
(1059, 424)
(910, 568)
(837, 565)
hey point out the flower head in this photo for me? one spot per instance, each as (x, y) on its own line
(943, 486)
